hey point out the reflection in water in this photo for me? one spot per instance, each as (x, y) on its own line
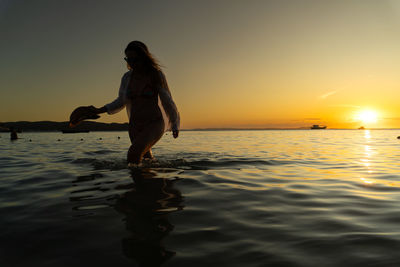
(146, 207)
(145, 204)
(367, 134)
(368, 155)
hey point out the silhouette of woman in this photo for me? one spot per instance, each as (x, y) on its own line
(145, 94)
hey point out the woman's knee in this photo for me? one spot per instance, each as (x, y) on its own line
(143, 141)
(131, 132)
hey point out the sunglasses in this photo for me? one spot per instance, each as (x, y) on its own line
(127, 59)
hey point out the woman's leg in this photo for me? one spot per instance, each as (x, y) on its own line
(143, 140)
(148, 154)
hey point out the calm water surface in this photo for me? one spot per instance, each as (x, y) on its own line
(214, 198)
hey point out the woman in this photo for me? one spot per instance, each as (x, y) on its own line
(145, 94)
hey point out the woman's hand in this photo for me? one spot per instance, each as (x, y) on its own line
(98, 110)
(175, 131)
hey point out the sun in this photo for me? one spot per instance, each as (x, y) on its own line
(366, 116)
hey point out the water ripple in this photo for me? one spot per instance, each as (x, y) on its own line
(227, 198)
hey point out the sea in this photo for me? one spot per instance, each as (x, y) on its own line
(212, 198)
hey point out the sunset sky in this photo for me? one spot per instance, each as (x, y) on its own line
(228, 63)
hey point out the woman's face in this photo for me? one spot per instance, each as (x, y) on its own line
(131, 59)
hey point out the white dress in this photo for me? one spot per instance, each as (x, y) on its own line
(165, 102)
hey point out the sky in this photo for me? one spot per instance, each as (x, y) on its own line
(229, 63)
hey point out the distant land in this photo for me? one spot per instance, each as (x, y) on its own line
(52, 126)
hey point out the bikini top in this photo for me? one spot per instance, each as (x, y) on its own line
(147, 91)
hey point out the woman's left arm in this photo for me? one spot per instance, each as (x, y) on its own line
(169, 105)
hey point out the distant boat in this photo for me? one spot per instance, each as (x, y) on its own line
(74, 131)
(361, 128)
(316, 126)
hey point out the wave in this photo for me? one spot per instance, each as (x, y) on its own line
(100, 152)
(183, 163)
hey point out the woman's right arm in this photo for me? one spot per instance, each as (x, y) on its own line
(119, 103)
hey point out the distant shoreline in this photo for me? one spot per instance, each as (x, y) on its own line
(52, 126)
(272, 129)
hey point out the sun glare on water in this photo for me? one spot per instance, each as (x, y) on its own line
(366, 116)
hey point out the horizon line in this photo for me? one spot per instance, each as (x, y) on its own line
(220, 128)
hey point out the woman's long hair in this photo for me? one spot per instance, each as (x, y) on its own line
(149, 64)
